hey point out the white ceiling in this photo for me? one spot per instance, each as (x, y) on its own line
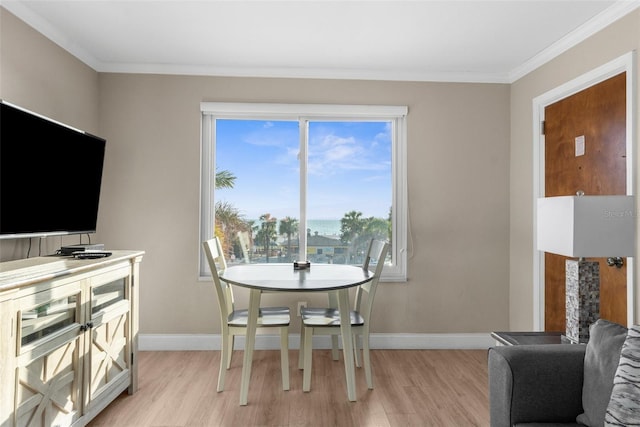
(428, 40)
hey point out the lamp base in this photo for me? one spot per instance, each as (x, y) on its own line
(582, 281)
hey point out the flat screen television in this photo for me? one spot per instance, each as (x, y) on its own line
(50, 176)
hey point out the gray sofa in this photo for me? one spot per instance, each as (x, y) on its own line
(559, 384)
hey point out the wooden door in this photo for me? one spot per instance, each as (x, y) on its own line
(598, 114)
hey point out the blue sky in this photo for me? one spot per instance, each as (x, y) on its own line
(349, 167)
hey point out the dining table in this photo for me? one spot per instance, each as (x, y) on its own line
(334, 279)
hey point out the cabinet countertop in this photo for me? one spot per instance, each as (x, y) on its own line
(23, 272)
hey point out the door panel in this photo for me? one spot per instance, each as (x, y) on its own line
(599, 114)
(109, 355)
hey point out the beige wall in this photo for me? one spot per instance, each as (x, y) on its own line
(470, 176)
(458, 173)
(36, 74)
(609, 44)
(458, 194)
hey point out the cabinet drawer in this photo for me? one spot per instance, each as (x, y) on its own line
(46, 385)
(47, 316)
(109, 290)
(106, 296)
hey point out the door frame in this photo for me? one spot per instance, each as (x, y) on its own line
(625, 63)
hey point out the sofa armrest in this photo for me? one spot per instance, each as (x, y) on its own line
(535, 383)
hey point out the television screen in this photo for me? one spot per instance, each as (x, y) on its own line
(50, 176)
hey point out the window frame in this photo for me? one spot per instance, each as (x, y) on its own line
(304, 113)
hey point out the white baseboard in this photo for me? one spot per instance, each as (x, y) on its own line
(184, 342)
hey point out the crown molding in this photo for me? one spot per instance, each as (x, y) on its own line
(305, 73)
(49, 31)
(591, 27)
(599, 22)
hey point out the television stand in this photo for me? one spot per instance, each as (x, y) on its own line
(68, 337)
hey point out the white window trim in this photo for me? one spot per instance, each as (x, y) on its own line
(210, 111)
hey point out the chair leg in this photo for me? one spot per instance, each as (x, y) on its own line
(284, 356)
(356, 350)
(230, 343)
(306, 375)
(301, 350)
(367, 359)
(335, 353)
(224, 356)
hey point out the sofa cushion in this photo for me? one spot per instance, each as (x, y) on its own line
(600, 363)
(535, 383)
(624, 405)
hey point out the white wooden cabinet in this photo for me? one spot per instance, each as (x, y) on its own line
(68, 337)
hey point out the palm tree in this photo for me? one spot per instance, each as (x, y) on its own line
(228, 219)
(376, 228)
(228, 222)
(288, 227)
(225, 179)
(390, 224)
(267, 232)
(351, 226)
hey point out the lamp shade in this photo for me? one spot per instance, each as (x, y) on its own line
(587, 226)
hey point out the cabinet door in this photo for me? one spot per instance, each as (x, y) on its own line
(109, 354)
(49, 348)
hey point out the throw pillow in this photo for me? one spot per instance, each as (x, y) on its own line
(624, 406)
(600, 363)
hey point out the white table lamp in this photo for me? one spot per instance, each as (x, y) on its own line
(580, 227)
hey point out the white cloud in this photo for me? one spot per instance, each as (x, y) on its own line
(331, 154)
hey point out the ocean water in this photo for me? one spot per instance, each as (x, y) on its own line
(324, 227)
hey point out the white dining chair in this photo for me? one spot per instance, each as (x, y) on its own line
(234, 322)
(326, 321)
(243, 238)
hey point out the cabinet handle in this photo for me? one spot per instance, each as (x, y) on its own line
(86, 326)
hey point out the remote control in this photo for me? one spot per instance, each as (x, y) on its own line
(91, 254)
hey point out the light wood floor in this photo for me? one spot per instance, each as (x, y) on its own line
(411, 388)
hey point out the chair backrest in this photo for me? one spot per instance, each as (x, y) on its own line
(377, 253)
(217, 264)
(243, 237)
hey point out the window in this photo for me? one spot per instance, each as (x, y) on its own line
(284, 182)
